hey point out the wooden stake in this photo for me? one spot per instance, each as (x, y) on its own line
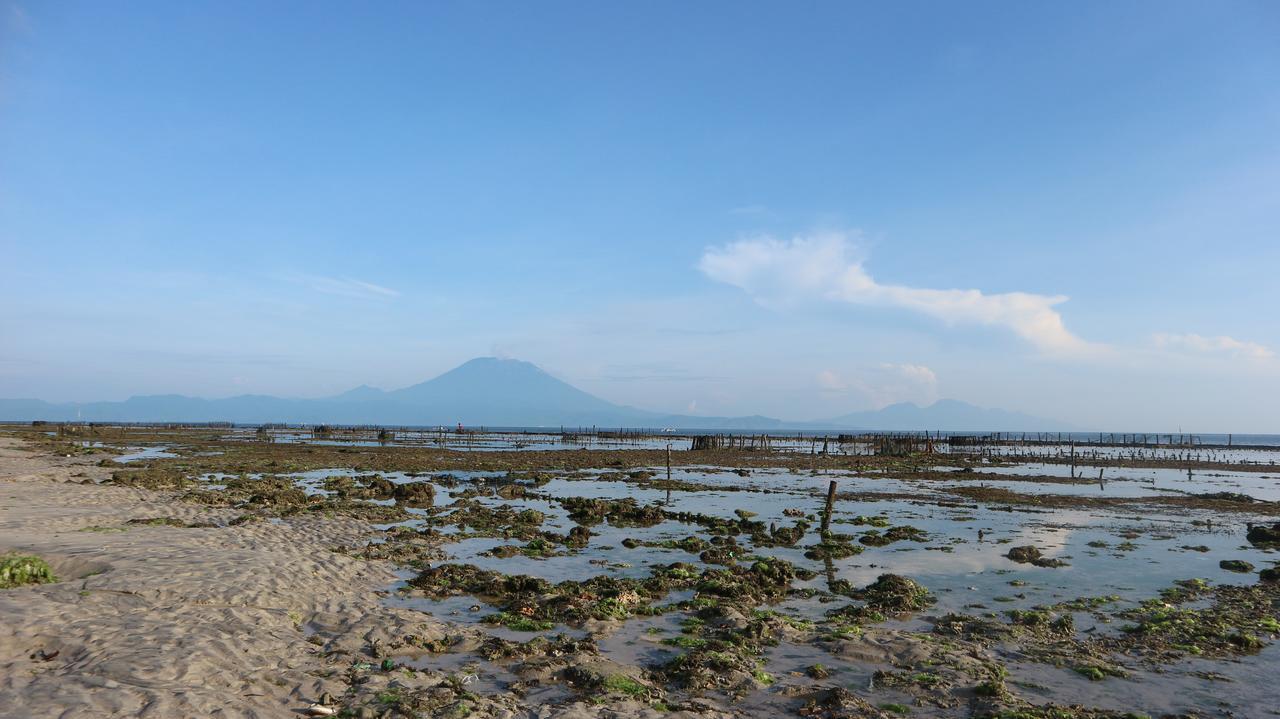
(831, 499)
(668, 475)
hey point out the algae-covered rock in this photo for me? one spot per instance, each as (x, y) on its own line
(364, 487)
(833, 546)
(1262, 534)
(510, 491)
(780, 536)
(1031, 555)
(619, 512)
(895, 593)
(608, 680)
(415, 494)
(1236, 565)
(725, 550)
(1024, 555)
(840, 702)
(874, 538)
(716, 662)
(505, 551)
(276, 497)
(690, 544)
(18, 570)
(578, 537)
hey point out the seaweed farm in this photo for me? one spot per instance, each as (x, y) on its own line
(869, 578)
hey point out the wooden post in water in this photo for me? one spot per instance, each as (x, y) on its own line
(668, 474)
(831, 500)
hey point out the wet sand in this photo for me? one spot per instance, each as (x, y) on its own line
(165, 622)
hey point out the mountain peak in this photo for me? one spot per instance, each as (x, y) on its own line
(361, 393)
(901, 406)
(508, 391)
(498, 363)
(491, 359)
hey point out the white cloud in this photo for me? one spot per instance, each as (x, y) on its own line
(823, 267)
(916, 373)
(1222, 344)
(829, 381)
(345, 287)
(882, 385)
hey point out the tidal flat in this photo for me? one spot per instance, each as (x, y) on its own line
(212, 571)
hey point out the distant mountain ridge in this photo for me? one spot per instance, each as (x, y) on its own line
(494, 392)
(948, 415)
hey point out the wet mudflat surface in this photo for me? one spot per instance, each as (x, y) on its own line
(935, 586)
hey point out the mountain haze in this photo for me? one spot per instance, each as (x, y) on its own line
(947, 415)
(493, 392)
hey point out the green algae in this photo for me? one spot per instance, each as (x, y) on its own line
(17, 570)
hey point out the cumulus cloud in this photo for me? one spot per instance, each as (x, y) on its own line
(884, 384)
(824, 267)
(1222, 344)
(916, 373)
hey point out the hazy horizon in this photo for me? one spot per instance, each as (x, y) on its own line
(943, 413)
(1064, 211)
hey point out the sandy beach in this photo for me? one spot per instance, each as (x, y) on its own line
(157, 621)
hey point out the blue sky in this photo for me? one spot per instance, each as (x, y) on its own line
(1066, 209)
